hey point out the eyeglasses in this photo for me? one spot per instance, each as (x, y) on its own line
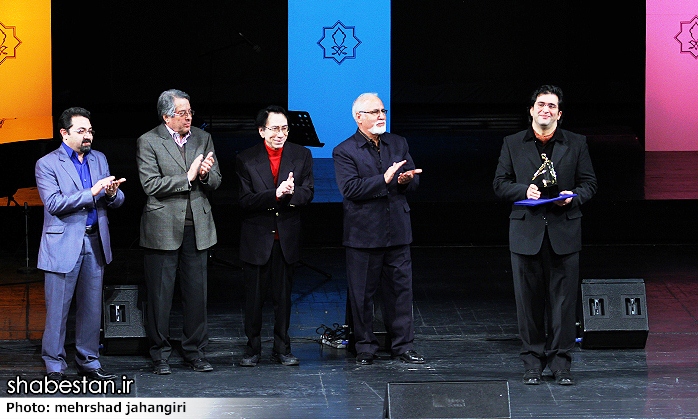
(277, 130)
(83, 131)
(542, 105)
(184, 114)
(375, 112)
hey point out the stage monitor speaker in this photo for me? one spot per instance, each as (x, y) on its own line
(447, 399)
(123, 317)
(615, 313)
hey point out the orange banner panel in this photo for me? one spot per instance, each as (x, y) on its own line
(25, 71)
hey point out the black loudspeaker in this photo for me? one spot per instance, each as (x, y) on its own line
(615, 313)
(124, 329)
(447, 399)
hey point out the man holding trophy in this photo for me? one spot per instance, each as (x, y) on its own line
(547, 173)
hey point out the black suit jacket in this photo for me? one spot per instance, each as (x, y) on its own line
(518, 161)
(262, 214)
(376, 214)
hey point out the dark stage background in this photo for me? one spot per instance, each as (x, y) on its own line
(462, 56)
(462, 73)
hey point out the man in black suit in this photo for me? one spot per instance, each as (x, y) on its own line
(275, 181)
(374, 171)
(545, 240)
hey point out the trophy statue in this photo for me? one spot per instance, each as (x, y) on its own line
(548, 177)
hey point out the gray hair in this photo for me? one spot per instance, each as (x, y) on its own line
(166, 100)
(359, 101)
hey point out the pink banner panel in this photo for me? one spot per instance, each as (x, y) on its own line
(671, 75)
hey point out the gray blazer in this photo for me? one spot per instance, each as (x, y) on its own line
(66, 204)
(163, 175)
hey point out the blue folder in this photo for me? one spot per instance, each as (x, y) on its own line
(534, 202)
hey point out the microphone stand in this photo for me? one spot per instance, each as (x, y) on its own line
(26, 269)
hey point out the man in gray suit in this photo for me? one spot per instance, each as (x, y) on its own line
(177, 168)
(76, 188)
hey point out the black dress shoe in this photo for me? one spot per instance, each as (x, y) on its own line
(56, 376)
(200, 365)
(249, 360)
(564, 377)
(161, 367)
(411, 357)
(364, 358)
(96, 374)
(532, 377)
(288, 359)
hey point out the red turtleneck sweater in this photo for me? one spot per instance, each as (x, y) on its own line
(274, 162)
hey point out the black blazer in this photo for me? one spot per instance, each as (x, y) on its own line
(376, 214)
(262, 214)
(518, 161)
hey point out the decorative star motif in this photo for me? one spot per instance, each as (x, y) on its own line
(688, 37)
(339, 42)
(8, 42)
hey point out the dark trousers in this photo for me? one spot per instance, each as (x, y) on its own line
(161, 267)
(389, 268)
(545, 287)
(276, 276)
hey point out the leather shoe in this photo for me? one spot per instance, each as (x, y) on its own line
(364, 358)
(96, 374)
(564, 377)
(249, 360)
(200, 365)
(288, 359)
(161, 367)
(532, 377)
(411, 357)
(56, 376)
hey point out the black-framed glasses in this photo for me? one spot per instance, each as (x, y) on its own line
(375, 112)
(83, 131)
(184, 114)
(277, 130)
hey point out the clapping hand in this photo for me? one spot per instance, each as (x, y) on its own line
(286, 187)
(109, 185)
(406, 177)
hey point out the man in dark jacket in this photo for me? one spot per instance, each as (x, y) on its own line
(275, 180)
(545, 239)
(374, 171)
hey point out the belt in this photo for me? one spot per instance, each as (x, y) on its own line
(91, 229)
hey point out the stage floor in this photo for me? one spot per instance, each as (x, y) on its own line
(465, 323)
(640, 225)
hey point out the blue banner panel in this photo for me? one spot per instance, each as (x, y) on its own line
(336, 51)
